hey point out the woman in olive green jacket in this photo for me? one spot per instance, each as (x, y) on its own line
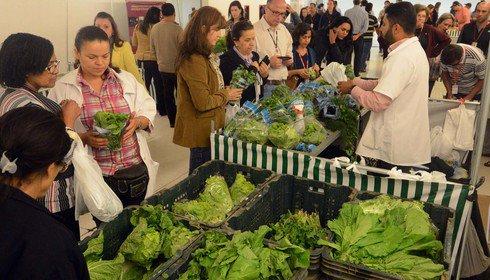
(201, 94)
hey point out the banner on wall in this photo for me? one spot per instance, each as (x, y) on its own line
(137, 10)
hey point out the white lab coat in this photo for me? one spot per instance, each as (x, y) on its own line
(400, 134)
(138, 99)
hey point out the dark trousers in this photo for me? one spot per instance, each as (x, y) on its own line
(358, 55)
(151, 72)
(366, 52)
(169, 86)
(198, 157)
(67, 218)
(431, 86)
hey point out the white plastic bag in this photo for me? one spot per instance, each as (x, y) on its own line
(334, 73)
(459, 128)
(231, 110)
(91, 191)
(440, 145)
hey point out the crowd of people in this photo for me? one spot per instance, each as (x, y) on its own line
(37, 198)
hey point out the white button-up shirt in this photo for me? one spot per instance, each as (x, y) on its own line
(400, 134)
(273, 41)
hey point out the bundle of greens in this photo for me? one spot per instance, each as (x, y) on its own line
(252, 131)
(280, 96)
(245, 257)
(388, 235)
(347, 123)
(220, 46)
(312, 73)
(314, 133)
(283, 136)
(156, 234)
(112, 125)
(349, 72)
(240, 189)
(302, 229)
(214, 203)
(242, 78)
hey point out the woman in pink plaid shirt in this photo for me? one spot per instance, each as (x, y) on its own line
(96, 86)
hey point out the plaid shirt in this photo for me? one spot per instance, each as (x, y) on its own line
(110, 99)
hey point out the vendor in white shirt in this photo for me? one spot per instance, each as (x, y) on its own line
(397, 133)
(274, 40)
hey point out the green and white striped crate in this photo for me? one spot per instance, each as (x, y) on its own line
(315, 168)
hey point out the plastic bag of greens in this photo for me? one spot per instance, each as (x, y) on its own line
(314, 132)
(279, 114)
(247, 111)
(111, 126)
(252, 130)
(242, 78)
(283, 136)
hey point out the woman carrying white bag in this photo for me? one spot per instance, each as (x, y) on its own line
(97, 87)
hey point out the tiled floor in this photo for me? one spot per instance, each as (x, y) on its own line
(174, 159)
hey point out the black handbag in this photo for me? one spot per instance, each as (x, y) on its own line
(131, 182)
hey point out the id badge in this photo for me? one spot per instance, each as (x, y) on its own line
(454, 90)
(474, 44)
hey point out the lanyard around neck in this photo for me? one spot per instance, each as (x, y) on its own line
(276, 41)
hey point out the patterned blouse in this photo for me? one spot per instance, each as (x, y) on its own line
(61, 195)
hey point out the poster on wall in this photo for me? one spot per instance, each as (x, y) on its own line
(137, 10)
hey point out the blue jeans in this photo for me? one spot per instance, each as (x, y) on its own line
(198, 157)
(366, 52)
(268, 88)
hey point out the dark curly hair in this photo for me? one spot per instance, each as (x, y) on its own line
(22, 54)
(301, 30)
(237, 31)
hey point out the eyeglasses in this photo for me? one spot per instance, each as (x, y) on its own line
(276, 13)
(53, 67)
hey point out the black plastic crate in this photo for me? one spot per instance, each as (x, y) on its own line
(192, 186)
(287, 193)
(442, 217)
(180, 266)
(333, 269)
(116, 232)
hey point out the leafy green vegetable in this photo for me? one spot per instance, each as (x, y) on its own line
(115, 124)
(242, 78)
(106, 270)
(217, 193)
(312, 73)
(301, 228)
(143, 245)
(389, 235)
(245, 257)
(347, 124)
(95, 248)
(252, 131)
(283, 136)
(349, 72)
(212, 205)
(240, 189)
(220, 46)
(314, 132)
(175, 240)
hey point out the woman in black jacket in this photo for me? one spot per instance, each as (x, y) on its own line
(334, 44)
(34, 149)
(241, 42)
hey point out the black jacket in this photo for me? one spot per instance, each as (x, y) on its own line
(230, 61)
(33, 244)
(470, 34)
(338, 52)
